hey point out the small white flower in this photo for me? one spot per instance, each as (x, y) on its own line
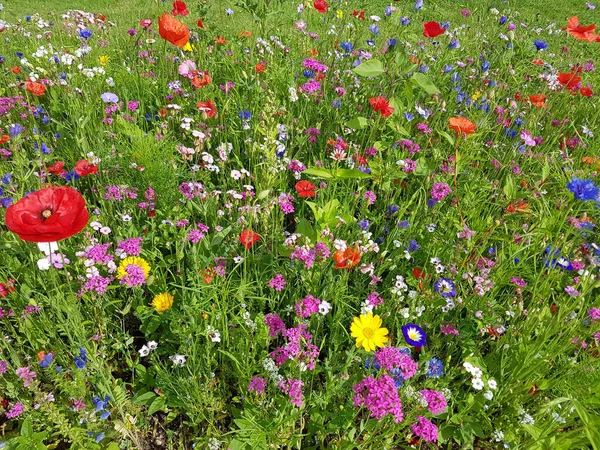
(431, 227)
(178, 360)
(126, 218)
(238, 259)
(405, 312)
(105, 230)
(43, 264)
(477, 383)
(488, 395)
(476, 372)
(152, 345)
(468, 366)
(144, 351)
(95, 225)
(324, 307)
(492, 384)
(47, 247)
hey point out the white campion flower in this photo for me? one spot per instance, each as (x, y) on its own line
(144, 351)
(477, 383)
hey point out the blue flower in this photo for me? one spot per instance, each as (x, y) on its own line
(503, 20)
(519, 121)
(391, 42)
(418, 5)
(583, 189)
(371, 43)
(486, 66)
(448, 68)
(388, 11)
(72, 176)
(392, 209)
(347, 46)
(85, 34)
(6, 178)
(99, 437)
(413, 245)
(371, 363)
(540, 45)
(398, 377)
(403, 224)
(445, 287)
(47, 361)
(15, 129)
(414, 335)
(509, 132)
(374, 29)
(308, 73)
(454, 43)
(405, 21)
(364, 224)
(435, 368)
(337, 104)
(245, 114)
(409, 116)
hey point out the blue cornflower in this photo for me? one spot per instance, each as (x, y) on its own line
(486, 66)
(403, 224)
(418, 5)
(583, 189)
(445, 24)
(503, 19)
(391, 42)
(371, 363)
(6, 201)
(540, 45)
(15, 129)
(374, 29)
(409, 116)
(308, 73)
(85, 34)
(454, 43)
(364, 224)
(47, 361)
(347, 46)
(432, 202)
(46, 120)
(413, 245)
(392, 209)
(72, 176)
(405, 21)
(245, 114)
(371, 43)
(388, 11)
(28, 18)
(6, 178)
(337, 104)
(99, 437)
(519, 121)
(509, 132)
(445, 287)
(423, 68)
(398, 377)
(19, 54)
(448, 68)
(435, 368)
(364, 169)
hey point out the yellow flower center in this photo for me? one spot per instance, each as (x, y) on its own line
(46, 213)
(368, 333)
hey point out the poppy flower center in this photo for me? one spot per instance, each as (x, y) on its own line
(46, 213)
(368, 333)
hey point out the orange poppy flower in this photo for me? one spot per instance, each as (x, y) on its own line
(208, 108)
(313, 52)
(15, 69)
(583, 33)
(245, 34)
(346, 259)
(204, 80)
(538, 62)
(4, 138)
(462, 125)
(37, 89)
(569, 80)
(173, 30)
(539, 100)
(259, 68)
(220, 40)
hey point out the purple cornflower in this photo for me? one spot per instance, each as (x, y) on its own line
(258, 385)
(294, 389)
(275, 324)
(435, 400)
(439, 191)
(131, 246)
(380, 396)
(277, 282)
(307, 306)
(518, 281)
(425, 429)
(3, 365)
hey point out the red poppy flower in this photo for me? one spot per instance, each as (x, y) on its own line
(432, 29)
(321, 6)
(418, 273)
(259, 68)
(569, 80)
(173, 30)
(346, 259)
(305, 189)
(58, 168)
(202, 81)
(538, 62)
(583, 33)
(48, 215)
(539, 100)
(83, 168)
(200, 23)
(462, 126)
(381, 105)
(37, 89)
(179, 9)
(4, 138)
(248, 238)
(359, 14)
(208, 108)
(586, 92)
(15, 69)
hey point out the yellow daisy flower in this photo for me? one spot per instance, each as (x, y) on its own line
(368, 332)
(103, 60)
(162, 302)
(135, 260)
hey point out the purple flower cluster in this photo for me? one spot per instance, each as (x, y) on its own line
(298, 348)
(307, 306)
(374, 299)
(277, 282)
(594, 314)
(425, 429)
(15, 411)
(97, 253)
(380, 396)
(95, 284)
(309, 255)
(439, 191)
(135, 276)
(310, 87)
(435, 400)
(313, 64)
(275, 324)
(131, 246)
(294, 389)
(407, 144)
(258, 385)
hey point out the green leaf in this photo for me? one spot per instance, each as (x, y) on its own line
(157, 405)
(305, 229)
(351, 173)
(424, 82)
(113, 446)
(358, 123)
(449, 138)
(27, 428)
(509, 188)
(321, 173)
(370, 68)
(144, 399)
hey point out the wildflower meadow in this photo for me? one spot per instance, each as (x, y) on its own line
(275, 224)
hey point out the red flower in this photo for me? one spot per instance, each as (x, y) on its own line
(260, 67)
(359, 14)
(346, 259)
(37, 89)
(4, 138)
(208, 108)
(539, 100)
(145, 23)
(305, 189)
(569, 80)
(432, 29)
(381, 105)
(48, 215)
(586, 92)
(248, 238)
(462, 125)
(321, 6)
(538, 62)
(173, 30)
(200, 23)
(179, 9)
(583, 33)
(83, 168)
(58, 168)
(204, 80)
(220, 40)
